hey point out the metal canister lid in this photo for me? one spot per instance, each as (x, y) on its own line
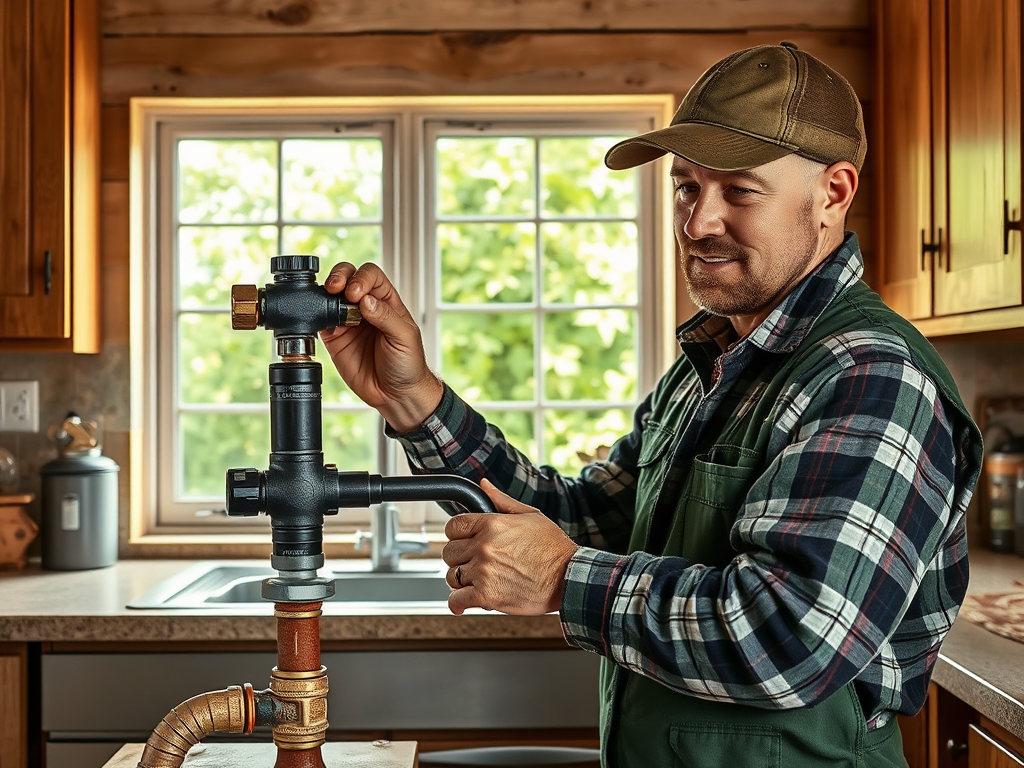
(1004, 463)
(79, 463)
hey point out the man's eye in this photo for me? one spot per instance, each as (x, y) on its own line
(741, 191)
(684, 188)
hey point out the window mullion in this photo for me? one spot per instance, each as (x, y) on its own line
(538, 296)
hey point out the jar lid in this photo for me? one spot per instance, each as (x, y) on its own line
(78, 463)
(1004, 463)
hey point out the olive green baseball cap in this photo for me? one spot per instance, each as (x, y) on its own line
(756, 106)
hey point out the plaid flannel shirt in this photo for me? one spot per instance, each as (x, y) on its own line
(798, 613)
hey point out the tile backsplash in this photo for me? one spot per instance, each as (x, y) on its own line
(93, 386)
(96, 387)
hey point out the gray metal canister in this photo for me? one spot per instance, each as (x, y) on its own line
(79, 511)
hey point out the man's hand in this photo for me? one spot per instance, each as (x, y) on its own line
(513, 562)
(382, 358)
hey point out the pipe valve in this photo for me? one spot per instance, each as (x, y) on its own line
(294, 306)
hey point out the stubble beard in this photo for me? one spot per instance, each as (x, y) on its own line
(752, 292)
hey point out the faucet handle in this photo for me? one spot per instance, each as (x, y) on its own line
(410, 544)
(363, 538)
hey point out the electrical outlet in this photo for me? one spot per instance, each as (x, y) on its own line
(19, 406)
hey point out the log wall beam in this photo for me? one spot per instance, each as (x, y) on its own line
(305, 17)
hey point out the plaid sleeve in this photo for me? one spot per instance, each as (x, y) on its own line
(595, 508)
(833, 540)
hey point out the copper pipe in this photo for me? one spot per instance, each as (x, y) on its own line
(298, 636)
(307, 758)
(189, 722)
(301, 680)
(295, 705)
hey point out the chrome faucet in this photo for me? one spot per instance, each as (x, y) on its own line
(387, 545)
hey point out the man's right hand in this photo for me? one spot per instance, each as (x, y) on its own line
(382, 359)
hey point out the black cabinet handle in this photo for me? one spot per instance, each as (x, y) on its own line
(48, 270)
(927, 248)
(1007, 226)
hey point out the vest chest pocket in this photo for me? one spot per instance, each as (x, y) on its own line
(717, 484)
(652, 462)
(721, 477)
(656, 441)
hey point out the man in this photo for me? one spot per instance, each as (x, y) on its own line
(769, 561)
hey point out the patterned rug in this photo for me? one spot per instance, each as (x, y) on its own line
(999, 612)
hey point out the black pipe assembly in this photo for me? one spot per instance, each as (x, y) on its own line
(299, 489)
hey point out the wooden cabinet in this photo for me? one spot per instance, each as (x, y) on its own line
(947, 733)
(936, 737)
(49, 175)
(523, 694)
(947, 149)
(14, 745)
(989, 746)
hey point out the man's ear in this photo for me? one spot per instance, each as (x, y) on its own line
(840, 180)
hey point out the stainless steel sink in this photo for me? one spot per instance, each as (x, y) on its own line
(220, 584)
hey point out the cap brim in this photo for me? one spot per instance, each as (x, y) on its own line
(712, 146)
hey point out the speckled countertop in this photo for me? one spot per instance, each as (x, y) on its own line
(981, 668)
(89, 606)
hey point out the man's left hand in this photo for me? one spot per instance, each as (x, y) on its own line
(513, 562)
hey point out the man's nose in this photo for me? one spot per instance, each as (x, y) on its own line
(705, 217)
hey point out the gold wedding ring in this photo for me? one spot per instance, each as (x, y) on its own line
(458, 575)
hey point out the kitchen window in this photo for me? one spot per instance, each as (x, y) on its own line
(538, 276)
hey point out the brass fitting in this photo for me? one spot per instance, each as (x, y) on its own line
(307, 692)
(353, 315)
(184, 726)
(245, 307)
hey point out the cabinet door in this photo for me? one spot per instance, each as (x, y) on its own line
(14, 694)
(981, 46)
(903, 150)
(984, 751)
(1012, 208)
(15, 29)
(50, 179)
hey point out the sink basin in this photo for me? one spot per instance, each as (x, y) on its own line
(223, 584)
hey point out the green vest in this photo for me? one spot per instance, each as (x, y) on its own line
(645, 723)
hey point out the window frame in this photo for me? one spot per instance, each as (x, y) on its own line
(406, 235)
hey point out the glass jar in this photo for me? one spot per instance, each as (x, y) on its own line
(1003, 470)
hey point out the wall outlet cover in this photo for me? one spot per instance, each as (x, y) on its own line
(19, 406)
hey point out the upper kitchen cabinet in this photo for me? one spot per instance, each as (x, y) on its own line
(49, 175)
(947, 150)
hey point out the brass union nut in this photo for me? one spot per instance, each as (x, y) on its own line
(245, 307)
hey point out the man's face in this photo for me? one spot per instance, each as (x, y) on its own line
(746, 237)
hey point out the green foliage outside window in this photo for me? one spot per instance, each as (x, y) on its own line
(228, 230)
(537, 224)
(542, 224)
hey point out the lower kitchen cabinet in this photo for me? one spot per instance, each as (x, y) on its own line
(90, 703)
(990, 746)
(443, 699)
(947, 733)
(14, 704)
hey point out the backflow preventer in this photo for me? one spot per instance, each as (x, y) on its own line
(296, 491)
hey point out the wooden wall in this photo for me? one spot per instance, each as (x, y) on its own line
(431, 47)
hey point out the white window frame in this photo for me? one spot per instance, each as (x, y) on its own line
(407, 240)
